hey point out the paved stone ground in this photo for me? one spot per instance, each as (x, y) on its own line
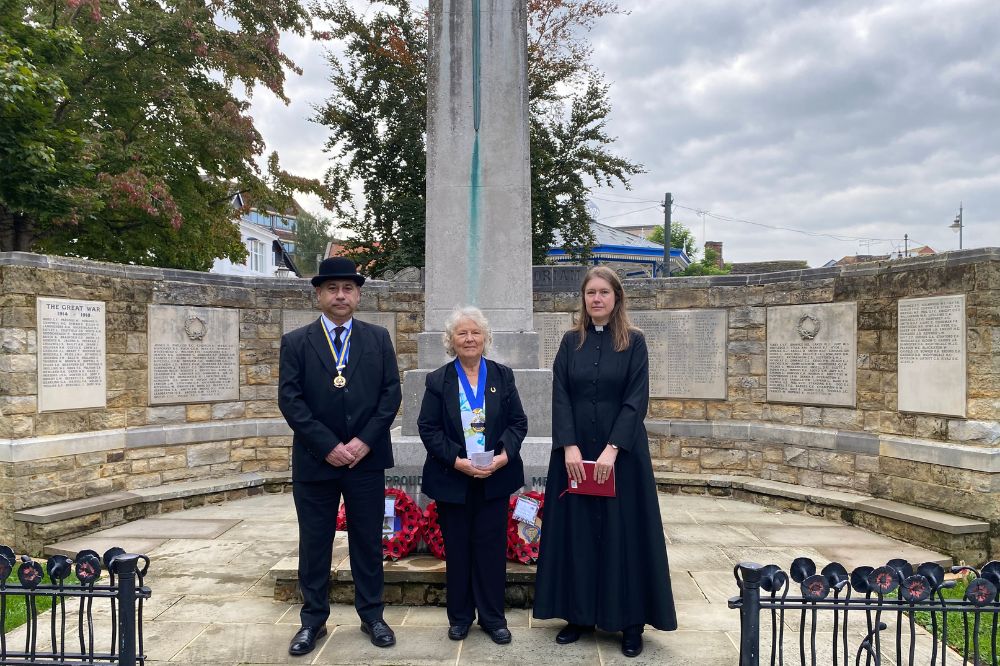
(212, 603)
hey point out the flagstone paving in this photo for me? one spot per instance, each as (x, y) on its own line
(212, 602)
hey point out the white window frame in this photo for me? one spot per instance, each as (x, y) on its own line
(255, 257)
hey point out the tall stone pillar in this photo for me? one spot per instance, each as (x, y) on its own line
(478, 176)
(479, 195)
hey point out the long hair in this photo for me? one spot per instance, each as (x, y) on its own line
(619, 324)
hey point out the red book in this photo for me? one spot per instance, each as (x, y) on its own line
(589, 486)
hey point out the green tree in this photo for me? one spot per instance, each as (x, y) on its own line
(708, 265)
(680, 237)
(152, 136)
(38, 159)
(377, 118)
(312, 236)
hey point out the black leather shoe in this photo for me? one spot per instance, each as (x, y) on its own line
(571, 633)
(304, 641)
(458, 632)
(380, 633)
(499, 636)
(631, 643)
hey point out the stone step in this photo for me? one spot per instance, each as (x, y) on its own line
(41, 526)
(965, 539)
(415, 580)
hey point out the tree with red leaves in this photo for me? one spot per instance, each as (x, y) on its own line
(136, 142)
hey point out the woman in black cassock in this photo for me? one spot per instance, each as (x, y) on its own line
(603, 561)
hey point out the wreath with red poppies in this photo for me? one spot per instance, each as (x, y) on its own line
(410, 520)
(524, 540)
(409, 525)
(433, 536)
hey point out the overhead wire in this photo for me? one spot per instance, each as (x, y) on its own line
(725, 218)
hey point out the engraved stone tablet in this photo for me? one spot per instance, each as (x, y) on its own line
(654, 326)
(293, 319)
(550, 327)
(194, 354)
(931, 355)
(696, 354)
(812, 354)
(72, 371)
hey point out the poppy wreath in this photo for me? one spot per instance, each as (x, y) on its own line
(342, 519)
(432, 531)
(411, 526)
(518, 549)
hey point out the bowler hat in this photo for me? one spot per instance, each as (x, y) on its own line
(337, 268)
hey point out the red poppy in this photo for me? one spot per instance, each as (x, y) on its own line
(518, 549)
(432, 531)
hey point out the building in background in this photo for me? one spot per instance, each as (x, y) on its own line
(269, 237)
(621, 250)
(850, 260)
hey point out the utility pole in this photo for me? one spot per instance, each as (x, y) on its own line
(906, 245)
(668, 204)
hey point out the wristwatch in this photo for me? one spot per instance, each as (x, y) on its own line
(614, 446)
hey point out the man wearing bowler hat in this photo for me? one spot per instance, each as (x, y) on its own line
(339, 391)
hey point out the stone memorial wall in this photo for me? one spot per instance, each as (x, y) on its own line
(695, 359)
(931, 355)
(72, 372)
(901, 340)
(811, 354)
(194, 354)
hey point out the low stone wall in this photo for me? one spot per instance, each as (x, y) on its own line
(944, 463)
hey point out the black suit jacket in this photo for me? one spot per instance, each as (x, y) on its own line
(322, 415)
(440, 426)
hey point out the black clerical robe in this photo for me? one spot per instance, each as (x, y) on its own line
(603, 561)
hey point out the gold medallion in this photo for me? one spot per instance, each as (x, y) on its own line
(340, 381)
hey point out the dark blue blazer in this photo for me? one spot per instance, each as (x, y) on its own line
(440, 427)
(321, 415)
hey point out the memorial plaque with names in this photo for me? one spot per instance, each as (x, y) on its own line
(293, 319)
(931, 355)
(812, 354)
(696, 354)
(550, 327)
(72, 370)
(654, 325)
(194, 354)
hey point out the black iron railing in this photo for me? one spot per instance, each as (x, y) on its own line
(842, 617)
(67, 636)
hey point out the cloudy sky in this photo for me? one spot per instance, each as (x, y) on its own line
(861, 119)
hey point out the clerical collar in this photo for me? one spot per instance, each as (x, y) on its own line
(599, 329)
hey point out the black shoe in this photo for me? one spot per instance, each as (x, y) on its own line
(380, 633)
(500, 636)
(571, 633)
(632, 642)
(304, 641)
(458, 632)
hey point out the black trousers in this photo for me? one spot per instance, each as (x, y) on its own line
(475, 543)
(316, 505)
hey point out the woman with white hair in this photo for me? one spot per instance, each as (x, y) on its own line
(472, 425)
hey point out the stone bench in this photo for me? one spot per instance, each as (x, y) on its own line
(36, 527)
(964, 539)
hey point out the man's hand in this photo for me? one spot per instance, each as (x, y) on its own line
(340, 456)
(358, 450)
